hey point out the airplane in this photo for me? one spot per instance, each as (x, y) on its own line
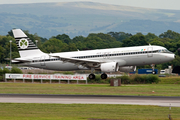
(124, 59)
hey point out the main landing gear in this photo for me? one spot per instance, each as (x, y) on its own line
(92, 76)
(103, 76)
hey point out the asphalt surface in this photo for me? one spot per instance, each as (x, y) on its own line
(90, 99)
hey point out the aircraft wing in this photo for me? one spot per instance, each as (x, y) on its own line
(85, 63)
(20, 60)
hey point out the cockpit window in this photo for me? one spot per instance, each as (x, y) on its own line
(164, 51)
(159, 51)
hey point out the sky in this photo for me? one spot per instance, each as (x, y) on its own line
(156, 4)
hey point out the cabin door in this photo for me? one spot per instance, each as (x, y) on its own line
(43, 61)
(150, 52)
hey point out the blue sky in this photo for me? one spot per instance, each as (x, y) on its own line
(157, 4)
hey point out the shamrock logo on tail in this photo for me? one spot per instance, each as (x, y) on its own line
(23, 43)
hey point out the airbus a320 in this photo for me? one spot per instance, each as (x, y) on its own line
(105, 60)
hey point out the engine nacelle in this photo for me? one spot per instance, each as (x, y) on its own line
(127, 69)
(109, 67)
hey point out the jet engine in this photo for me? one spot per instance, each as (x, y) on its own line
(127, 69)
(109, 67)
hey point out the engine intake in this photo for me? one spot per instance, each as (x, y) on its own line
(109, 67)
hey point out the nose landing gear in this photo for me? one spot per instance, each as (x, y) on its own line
(153, 71)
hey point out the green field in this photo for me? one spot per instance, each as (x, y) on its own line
(170, 80)
(19, 111)
(85, 112)
(91, 89)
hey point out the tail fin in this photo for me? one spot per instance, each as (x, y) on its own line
(25, 46)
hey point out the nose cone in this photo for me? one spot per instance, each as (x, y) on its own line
(171, 57)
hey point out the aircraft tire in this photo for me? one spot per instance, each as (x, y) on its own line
(153, 72)
(104, 76)
(92, 76)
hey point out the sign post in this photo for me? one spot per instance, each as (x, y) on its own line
(42, 77)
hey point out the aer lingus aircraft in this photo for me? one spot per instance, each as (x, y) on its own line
(124, 59)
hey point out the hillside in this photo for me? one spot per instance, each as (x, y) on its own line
(82, 18)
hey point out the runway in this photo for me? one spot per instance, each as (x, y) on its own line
(90, 99)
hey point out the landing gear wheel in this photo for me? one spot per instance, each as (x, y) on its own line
(153, 72)
(104, 76)
(92, 76)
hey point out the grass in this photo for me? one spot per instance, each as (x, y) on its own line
(91, 89)
(18, 111)
(21, 111)
(170, 80)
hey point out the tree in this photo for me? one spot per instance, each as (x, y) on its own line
(157, 42)
(127, 42)
(5, 47)
(120, 35)
(2, 54)
(78, 39)
(10, 33)
(101, 41)
(135, 40)
(170, 34)
(72, 47)
(14, 50)
(80, 46)
(54, 45)
(65, 38)
(171, 46)
(43, 39)
(150, 37)
(5, 70)
(94, 43)
(16, 70)
(32, 37)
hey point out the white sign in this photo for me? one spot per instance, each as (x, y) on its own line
(46, 77)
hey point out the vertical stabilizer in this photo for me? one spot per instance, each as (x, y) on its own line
(25, 46)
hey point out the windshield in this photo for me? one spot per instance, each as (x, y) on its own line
(164, 51)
